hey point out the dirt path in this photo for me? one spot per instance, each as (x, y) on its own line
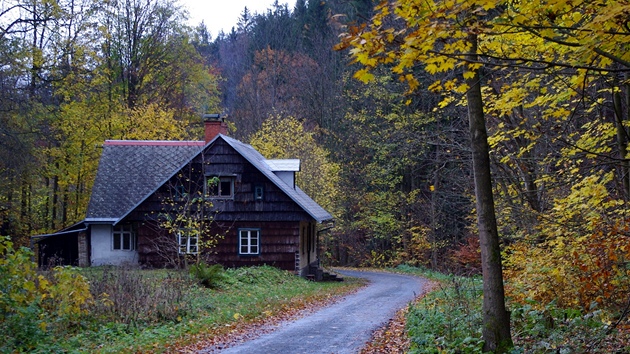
(344, 327)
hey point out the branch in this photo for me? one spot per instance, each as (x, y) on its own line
(547, 64)
(612, 57)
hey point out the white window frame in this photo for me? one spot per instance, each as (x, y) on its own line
(220, 195)
(246, 246)
(185, 244)
(123, 232)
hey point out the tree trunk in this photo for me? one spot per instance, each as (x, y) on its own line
(496, 319)
(622, 141)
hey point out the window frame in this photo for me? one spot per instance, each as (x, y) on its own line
(249, 238)
(123, 231)
(222, 179)
(259, 192)
(187, 246)
(180, 193)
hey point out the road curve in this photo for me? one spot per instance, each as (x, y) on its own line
(344, 327)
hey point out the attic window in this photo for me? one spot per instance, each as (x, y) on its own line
(219, 187)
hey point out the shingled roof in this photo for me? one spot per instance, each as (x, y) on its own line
(130, 171)
(302, 199)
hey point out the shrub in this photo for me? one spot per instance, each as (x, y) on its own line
(68, 295)
(133, 296)
(447, 320)
(466, 257)
(579, 258)
(33, 307)
(208, 276)
(550, 329)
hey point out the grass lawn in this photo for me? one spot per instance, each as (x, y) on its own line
(164, 310)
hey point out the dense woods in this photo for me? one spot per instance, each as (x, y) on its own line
(392, 156)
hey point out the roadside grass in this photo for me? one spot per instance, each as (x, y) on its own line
(152, 311)
(448, 320)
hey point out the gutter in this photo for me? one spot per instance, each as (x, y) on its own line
(58, 233)
(40, 237)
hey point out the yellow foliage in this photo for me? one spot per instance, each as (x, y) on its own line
(578, 257)
(284, 138)
(69, 294)
(152, 122)
(61, 300)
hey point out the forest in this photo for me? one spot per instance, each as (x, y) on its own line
(374, 97)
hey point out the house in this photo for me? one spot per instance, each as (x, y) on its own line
(157, 203)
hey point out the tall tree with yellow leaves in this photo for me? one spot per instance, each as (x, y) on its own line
(473, 39)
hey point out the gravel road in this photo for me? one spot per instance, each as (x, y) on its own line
(344, 327)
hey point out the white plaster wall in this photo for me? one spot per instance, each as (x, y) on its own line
(102, 248)
(288, 177)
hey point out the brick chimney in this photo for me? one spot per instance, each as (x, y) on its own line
(214, 125)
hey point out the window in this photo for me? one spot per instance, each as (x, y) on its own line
(124, 238)
(188, 242)
(259, 192)
(249, 241)
(219, 187)
(180, 193)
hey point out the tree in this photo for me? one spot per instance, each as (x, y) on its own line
(78, 72)
(186, 217)
(427, 32)
(519, 46)
(285, 137)
(404, 178)
(277, 83)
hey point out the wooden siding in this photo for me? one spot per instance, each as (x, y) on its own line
(276, 215)
(279, 241)
(222, 160)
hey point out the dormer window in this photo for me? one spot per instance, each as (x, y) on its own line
(219, 187)
(285, 169)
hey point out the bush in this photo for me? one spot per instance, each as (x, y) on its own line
(466, 257)
(132, 296)
(208, 276)
(550, 329)
(579, 258)
(448, 320)
(32, 306)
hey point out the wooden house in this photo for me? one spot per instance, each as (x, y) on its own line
(160, 203)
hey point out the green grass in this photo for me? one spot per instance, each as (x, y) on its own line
(160, 310)
(448, 320)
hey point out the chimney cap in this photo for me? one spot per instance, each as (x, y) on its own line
(210, 117)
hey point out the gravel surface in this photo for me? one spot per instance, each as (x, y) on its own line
(344, 327)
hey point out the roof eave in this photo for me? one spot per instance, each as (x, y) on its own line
(279, 183)
(101, 220)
